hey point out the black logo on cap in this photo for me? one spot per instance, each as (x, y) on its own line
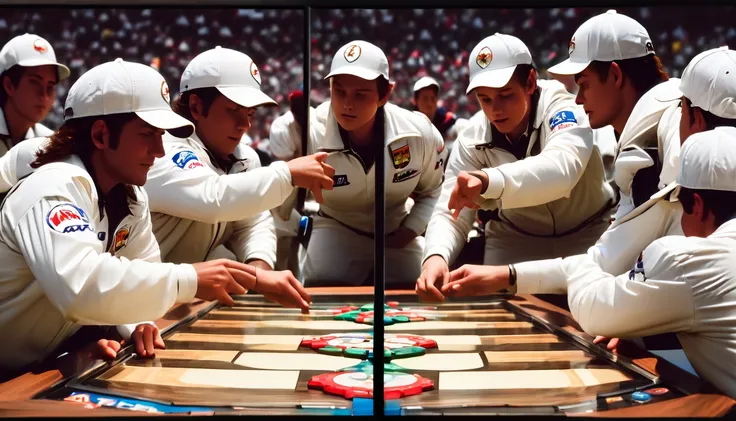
(650, 47)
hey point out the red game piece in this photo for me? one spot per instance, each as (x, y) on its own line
(360, 384)
(393, 304)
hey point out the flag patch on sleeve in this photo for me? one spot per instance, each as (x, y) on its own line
(562, 120)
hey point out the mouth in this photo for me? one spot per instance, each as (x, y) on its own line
(348, 116)
(234, 139)
(500, 120)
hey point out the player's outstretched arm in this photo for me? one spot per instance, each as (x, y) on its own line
(180, 185)
(548, 176)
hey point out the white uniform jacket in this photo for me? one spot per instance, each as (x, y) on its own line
(62, 265)
(197, 204)
(414, 154)
(37, 130)
(680, 284)
(555, 188)
(652, 124)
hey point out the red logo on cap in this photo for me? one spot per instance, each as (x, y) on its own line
(571, 47)
(165, 92)
(40, 46)
(484, 57)
(352, 53)
(255, 73)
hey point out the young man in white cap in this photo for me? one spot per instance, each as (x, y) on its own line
(682, 284)
(209, 190)
(621, 85)
(707, 92)
(426, 95)
(76, 246)
(529, 155)
(358, 115)
(29, 73)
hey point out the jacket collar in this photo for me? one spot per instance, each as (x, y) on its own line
(395, 128)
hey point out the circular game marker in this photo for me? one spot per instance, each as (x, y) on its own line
(360, 384)
(657, 391)
(641, 397)
(360, 345)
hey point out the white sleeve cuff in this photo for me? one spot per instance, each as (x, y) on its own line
(495, 184)
(282, 170)
(541, 277)
(187, 281)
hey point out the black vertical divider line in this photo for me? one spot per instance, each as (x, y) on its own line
(379, 272)
(306, 90)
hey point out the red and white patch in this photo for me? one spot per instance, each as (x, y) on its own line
(484, 58)
(165, 92)
(41, 46)
(254, 72)
(352, 53)
(66, 218)
(563, 126)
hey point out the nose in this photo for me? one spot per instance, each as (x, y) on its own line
(579, 98)
(243, 123)
(157, 147)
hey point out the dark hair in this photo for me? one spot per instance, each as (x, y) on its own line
(711, 120)
(383, 87)
(719, 202)
(14, 73)
(75, 137)
(207, 95)
(643, 72)
(432, 87)
(522, 72)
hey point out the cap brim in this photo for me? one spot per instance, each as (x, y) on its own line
(421, 86)
(568, 67)
(662, 193)
(245, 96)
(169, 121)
(670, 95)
(358, 71)
(63, 70)
(497, 78)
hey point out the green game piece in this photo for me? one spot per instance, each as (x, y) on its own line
(349, 316)
(331, 350)
(401, 319)
(387, 320)
(411, 351)
(370, 307)
(367, 367)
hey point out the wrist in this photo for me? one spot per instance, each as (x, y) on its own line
(483, 177)
(511, 281)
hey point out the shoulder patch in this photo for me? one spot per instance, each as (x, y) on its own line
(120, 240)
(637, 273)
(186, 160)
(66, 218)
(562, 120)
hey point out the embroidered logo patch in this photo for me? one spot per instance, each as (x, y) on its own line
(41, 46)
(340, 180)
(650, 47)
(439, 164)
(165, 92)
(400, 156)
(121, 239)
(352, 53)
(405, 175)
(255, 73)
(571, 47)
(186, 160)
(66, 218)
(484, 57)
(562, 120)
(637, 274)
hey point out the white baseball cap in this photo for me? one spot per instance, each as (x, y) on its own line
(233, 73)
(361, 59)
(118, 87)
(29, 50)
(425, 82)
(605, 37)
(709, 82)
(493, 61)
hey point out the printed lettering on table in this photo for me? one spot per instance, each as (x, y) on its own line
(66, 218)
(186, 160)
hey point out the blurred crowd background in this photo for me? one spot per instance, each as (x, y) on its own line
(418, 42)
(168, 39)
(436, 42)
